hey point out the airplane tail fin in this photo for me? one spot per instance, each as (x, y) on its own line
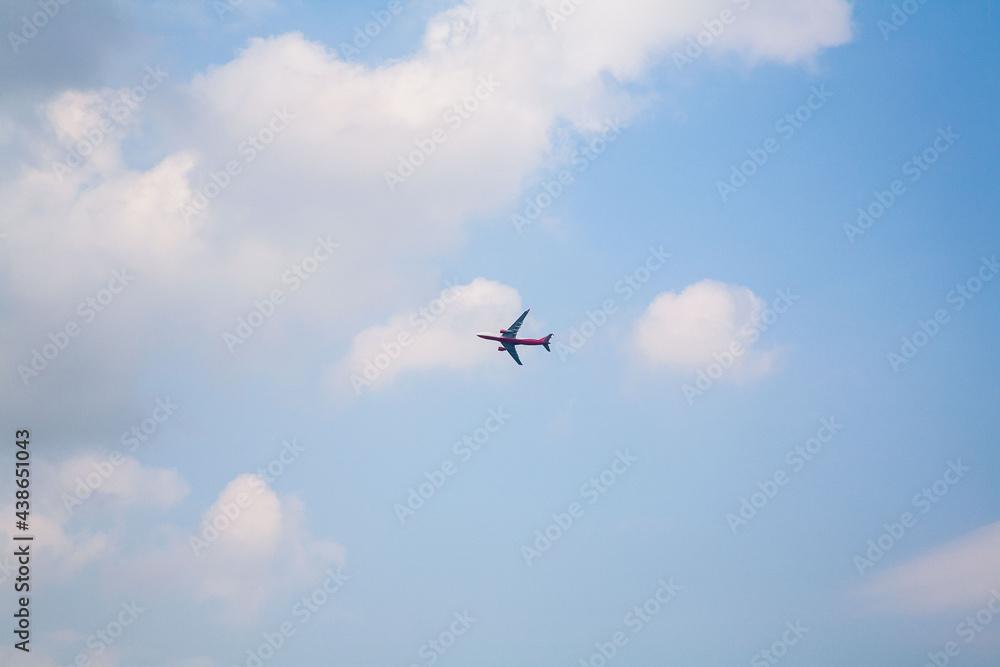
(547, 339)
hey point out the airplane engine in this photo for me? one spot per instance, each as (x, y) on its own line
(500, 349)
(503, 331)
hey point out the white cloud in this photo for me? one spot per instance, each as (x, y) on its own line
(73, 113)
(125, 479)
(250, 546)
(624, 37)
(441, 334)
(325, 174)
(61, 552)
(955, 576)
(790, 31)
(68, 488)
(260, 546)
(258, 526)
(684, 331)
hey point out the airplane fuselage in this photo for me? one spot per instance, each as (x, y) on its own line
(513, 341)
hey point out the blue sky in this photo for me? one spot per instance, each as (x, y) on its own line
(800, 579)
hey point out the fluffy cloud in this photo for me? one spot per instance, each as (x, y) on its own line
(439, 334)
(955, 576)
(69, 490)
(624, 37)
(684, 331)
(789, 31)
(123, 478)
(325, 173)
(250, 546)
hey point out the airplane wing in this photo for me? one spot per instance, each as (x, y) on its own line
(513, 351)
(512, 330)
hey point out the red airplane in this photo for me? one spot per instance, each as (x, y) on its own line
(508, 339)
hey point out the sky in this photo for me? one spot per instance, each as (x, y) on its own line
(245, 248)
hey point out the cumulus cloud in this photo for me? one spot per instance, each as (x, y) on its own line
(249, 546)
(69, 490)
(123, 478)
(955, 576)
(65, 232)
(439, 334)
(257, 523)
(67, 552)
(686, 330)
(790, 31)
(325, 173)
(625, 37)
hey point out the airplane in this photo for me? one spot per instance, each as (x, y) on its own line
(508, 339)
